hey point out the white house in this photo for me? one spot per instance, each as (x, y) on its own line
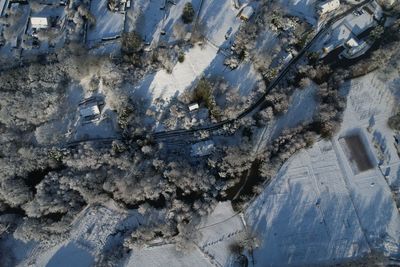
(193, 107)
(247, 12)
(328, 6)
(39, 22)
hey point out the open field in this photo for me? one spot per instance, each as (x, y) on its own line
(108, 24)
(317, 210)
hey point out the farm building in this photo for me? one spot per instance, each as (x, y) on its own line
(328, 6)
(39, 22)
(247, 12)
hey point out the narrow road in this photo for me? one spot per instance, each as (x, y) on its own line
(182, 132)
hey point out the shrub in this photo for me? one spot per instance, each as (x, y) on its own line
(181, 57)
(203, 93)
(376, 33)
(394, 122)
(131, 43)
(188, 13)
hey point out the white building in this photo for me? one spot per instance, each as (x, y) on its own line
(202, 148)
(89, 111)
(39, 22)
(354, 50)
(247, 12)
(328, 6)
(351, 43)
(193, 107)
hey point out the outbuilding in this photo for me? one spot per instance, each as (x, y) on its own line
(247, 12)
(351, 43)
(193, 107)
(39, 22)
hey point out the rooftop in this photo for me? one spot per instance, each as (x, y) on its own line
(89, 111)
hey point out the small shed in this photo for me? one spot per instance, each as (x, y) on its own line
(89, 111)
(288, 58)
(202, 148)
(39, 22)
(327, 49)
(328, 6)
(247, 12)
(193, 107)
(351, 43)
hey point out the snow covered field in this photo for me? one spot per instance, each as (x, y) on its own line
(89, 236)
(216, 19)
(108, 24)
(306, 215)
(222, 228)
(166, 255)
(316, 210)
(217, 232)
(301, 8)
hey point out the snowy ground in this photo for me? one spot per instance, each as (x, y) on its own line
(217, 232)
(166, 255)
(216, 19)
(370, 102)
(305, 216)
(108, 24)
(13, 33)
(166, 85)
(316, 210)
(90, 235)
(304, 9)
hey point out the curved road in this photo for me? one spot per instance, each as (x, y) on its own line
(180, 132)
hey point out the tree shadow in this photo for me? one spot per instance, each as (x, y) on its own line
(302, 222)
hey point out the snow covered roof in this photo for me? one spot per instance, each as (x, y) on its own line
(352, 42)
(202, 148)
(89, 111)
(247, 12)
(39, 22)
(328, 6)
(193, 106)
